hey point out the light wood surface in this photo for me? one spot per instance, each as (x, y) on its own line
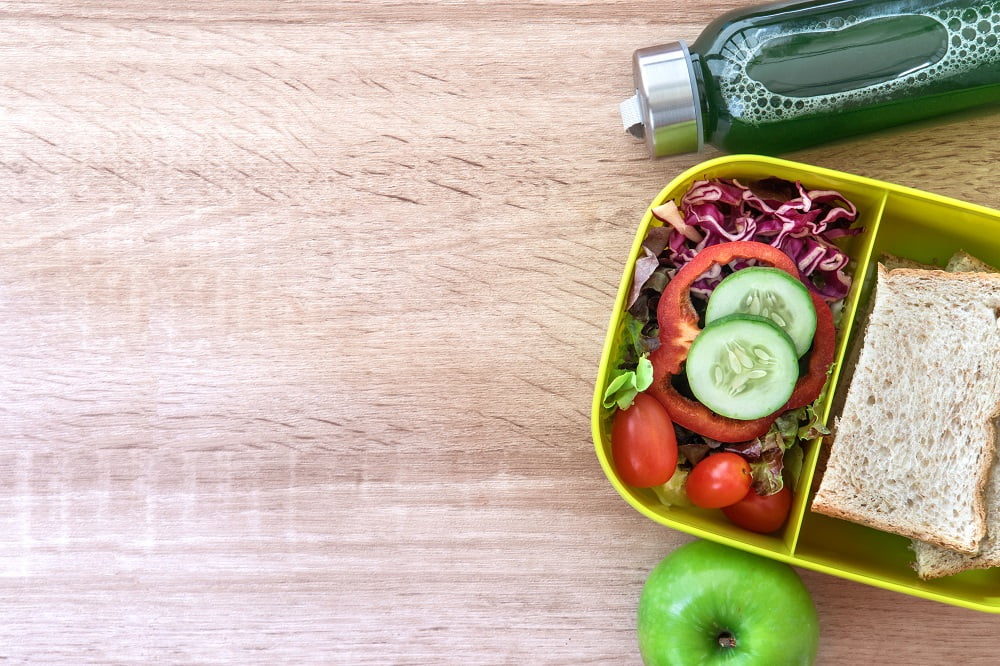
(302, 304)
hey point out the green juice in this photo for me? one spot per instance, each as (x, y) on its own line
(780, 77)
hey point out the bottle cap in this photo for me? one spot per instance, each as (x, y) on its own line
(665, 110)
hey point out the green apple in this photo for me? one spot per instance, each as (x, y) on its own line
(706, 603)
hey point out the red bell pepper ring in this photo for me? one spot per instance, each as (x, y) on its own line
(678, 323)
(811, 384)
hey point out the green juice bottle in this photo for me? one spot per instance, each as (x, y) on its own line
(780, 77)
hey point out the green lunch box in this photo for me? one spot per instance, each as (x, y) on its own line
(897, 220)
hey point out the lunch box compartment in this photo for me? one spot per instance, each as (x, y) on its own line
(899, 221)
(885, 560)
(929, 230)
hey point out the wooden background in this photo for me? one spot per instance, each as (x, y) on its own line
(301, 304)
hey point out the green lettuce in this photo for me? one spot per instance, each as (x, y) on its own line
(781, 454)
(633, 371)
(672, 493)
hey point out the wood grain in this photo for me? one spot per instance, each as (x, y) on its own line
(302, 305)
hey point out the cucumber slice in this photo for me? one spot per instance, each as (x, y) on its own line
(770, 293)
(743, 367)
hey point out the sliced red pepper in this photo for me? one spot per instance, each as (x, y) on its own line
(678, 323)
(811, 384)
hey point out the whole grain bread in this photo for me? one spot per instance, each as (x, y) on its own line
(934, 561)
(963, 262)
(864, 311)
(893, 261)
(915, 440)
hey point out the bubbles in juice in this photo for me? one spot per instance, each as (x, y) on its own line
(775, 73)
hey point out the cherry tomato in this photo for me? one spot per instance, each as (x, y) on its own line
(761, 513)
(718, 480)
(643, 444)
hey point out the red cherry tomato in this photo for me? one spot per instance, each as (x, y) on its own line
(643, 444)
(757, 513)
(718, 480)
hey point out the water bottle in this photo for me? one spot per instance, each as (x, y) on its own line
(780, 77)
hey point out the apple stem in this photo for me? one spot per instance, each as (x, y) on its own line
(727, 640)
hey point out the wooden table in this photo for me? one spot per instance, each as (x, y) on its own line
(302, 305)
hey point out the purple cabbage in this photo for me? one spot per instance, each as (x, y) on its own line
(802, 223)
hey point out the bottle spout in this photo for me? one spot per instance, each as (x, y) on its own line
(665, 111)
(631, 112)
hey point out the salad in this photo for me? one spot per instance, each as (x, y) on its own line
(727, 345)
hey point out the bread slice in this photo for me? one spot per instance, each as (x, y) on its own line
(963, 262)
(864, 311)
(915, 441)
(892, 262)
(934, 561)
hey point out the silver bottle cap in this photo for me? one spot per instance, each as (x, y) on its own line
(665, 110)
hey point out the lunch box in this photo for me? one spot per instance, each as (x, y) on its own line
(897, 220)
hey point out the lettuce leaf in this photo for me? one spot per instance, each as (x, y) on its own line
(672, 493)
(767, 472)
(625, 384)
(781, 448)
(633, 371)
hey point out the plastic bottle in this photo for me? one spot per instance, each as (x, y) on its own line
(780, 77)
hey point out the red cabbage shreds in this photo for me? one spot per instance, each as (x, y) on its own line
(716, 191)
(800, 222)
(669, 214)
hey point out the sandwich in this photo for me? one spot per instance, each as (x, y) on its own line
(915, 442)
(933, 561)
